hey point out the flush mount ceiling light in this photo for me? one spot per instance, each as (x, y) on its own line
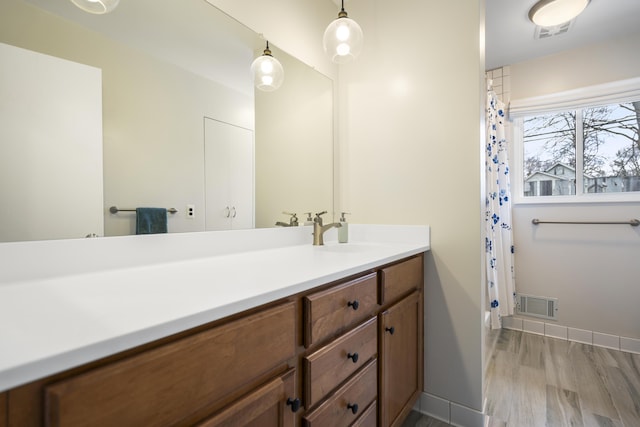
(343, 38)
(97, 7)
(549, 13)
(267, 71)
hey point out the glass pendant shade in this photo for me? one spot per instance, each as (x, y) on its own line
(97, 7)
(549, 13)
(343, 39)
(267, 72)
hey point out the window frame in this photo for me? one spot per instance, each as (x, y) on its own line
(576, 100)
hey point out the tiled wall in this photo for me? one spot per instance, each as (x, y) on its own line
(599, 339)
(501, 82)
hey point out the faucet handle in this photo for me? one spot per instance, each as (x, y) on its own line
(294, 218)
(318, 218)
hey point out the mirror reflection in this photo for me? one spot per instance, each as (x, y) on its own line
(168, 71)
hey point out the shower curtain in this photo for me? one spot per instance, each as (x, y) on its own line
(499, 240)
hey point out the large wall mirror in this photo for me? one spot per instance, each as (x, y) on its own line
(169, 70)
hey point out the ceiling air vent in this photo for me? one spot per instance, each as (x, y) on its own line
(546, 32)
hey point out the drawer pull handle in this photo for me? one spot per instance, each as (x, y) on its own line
(353, 304)
(353, 357)
(294, 403)
(391, 330)
(354, 407)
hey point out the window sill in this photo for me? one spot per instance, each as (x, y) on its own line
(631, 197)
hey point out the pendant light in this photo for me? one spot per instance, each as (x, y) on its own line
(267, 71)
(343, 38)
(97, 7)
(549, 13)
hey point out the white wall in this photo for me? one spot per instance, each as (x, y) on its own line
(604, 62)
(152, 116)
(410, 152)
(592, 269)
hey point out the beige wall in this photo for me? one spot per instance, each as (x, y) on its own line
(295, 128)
(292, 25)
(592, 270)
(411, 154)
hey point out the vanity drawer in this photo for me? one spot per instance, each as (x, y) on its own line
(348, 402)
(326, 368)
(400, 279)
(163, 385)
(332, 311)
(369, 417)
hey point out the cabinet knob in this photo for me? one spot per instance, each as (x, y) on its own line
(353, 357)
(391, 330)
(354, 407)
(354, 304)
(294, 403)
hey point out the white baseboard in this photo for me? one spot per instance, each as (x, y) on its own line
(598, 339)
(449, 412)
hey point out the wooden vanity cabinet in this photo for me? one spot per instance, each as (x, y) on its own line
(3, 410)
(180, 382)
(401, 341)
(348, 353)
(391, 340)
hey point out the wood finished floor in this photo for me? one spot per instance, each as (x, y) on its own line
(537, 381)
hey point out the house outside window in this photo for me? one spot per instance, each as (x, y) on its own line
(586, 153)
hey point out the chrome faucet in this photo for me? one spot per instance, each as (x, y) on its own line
(319, 229)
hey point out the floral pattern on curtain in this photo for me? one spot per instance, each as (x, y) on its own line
(499, 238)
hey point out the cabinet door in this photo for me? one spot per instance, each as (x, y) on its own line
(228, 153)
(400, 358)
(268, 406)
(242, 179)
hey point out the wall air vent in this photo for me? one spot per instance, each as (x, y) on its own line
(546, 32)
(546, 308)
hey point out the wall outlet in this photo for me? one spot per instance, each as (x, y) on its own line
(191, 211)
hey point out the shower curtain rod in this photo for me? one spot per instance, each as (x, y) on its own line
(633, 222)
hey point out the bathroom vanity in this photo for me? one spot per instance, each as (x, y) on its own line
(282, 334)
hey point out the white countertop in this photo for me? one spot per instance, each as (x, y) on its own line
(50, 324)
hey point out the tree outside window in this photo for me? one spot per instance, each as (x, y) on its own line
(604, 139)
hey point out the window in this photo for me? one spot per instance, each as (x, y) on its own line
(580, 152)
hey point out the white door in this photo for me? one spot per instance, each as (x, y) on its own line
(50, 147)
(229, 176)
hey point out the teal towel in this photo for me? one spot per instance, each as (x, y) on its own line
(151, 220)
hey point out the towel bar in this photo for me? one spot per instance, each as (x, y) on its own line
(633, 222)
(115, 210)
